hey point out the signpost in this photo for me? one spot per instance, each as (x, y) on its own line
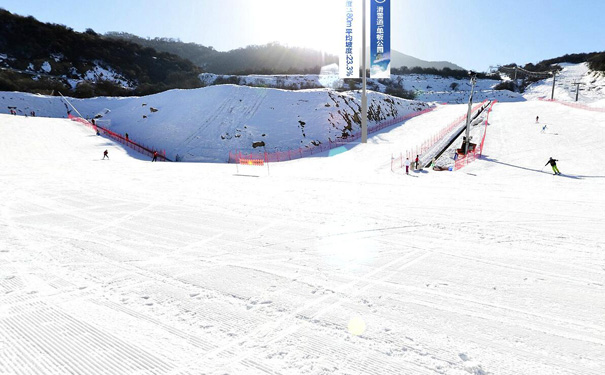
(380, 48)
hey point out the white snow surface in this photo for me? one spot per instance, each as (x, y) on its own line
(102, 73)
(46, 67)
(206, 124)
(592, 88)
(325, 265)
(428, 88)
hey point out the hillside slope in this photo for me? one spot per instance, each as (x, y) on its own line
(592, 85)
(271, 58)
(206, 124)
(41, 57)
(326, 266)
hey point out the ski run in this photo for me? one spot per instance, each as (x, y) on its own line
(322, 265)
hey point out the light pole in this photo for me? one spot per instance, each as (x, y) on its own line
(468, 114)
(554, 78)
(364, 98)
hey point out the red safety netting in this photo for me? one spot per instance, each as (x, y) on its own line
(235, 156)
(397, 162)
(575, 105)
(149, 151)
(430, 142)
(476, 152)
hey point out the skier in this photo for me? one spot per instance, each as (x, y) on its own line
(433, 162)
(553, 164)
(543, 129)
(155, 156)
(537, 118)
(407, 165)
(105, 154)
(416, 162)
(126, 136)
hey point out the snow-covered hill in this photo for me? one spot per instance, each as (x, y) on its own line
(205, 124)
(327, 265)
(592, 88)
(426, 87)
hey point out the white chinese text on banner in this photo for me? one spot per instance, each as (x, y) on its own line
(380, 39)
(350, 39)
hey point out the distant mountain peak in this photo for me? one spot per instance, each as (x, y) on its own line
(399, 60)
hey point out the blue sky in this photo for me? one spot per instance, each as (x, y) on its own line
(471, 33)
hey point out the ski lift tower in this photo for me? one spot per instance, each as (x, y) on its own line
(577, 88)
(468, 115)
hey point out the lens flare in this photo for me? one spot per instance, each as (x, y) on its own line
(357, 326)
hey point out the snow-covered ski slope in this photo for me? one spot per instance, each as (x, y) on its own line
(328, 265)
(206, 124)
(592, 86)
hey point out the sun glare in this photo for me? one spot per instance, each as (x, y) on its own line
(310, 23)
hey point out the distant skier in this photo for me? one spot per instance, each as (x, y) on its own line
(105, 154)
(417, 162)
(126, 136)
(537, 119)
(553, 164)
(407, 165)
(155, 156)
(543, 129)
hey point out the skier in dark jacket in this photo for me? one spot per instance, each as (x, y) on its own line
(105, 154)
(155, 156)
(553, 164)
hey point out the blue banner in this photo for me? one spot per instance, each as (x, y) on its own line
(380, 39)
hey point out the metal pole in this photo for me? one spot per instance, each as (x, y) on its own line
(577, 90)
(554, 78)
(364, 98)
(468, 115)
(67, 101)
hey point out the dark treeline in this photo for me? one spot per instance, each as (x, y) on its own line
(595, 60)
(272, 58)
(30, 43)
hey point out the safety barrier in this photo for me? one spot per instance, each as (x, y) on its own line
(149, 151)
(430, 142)
(277, 156)
(258, 162)
(574, 105)
(397, 162)
(464, 160)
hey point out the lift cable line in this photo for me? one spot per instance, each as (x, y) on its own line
(517, 69)
(577, 88)
(529, 73)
